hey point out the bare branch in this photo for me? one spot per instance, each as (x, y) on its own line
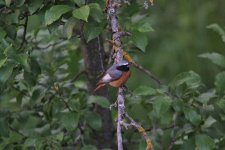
(79, 74)
(121, 107)
(166, 128)
(139, 67)
(112, 12)
(118, 52)
(147, 72)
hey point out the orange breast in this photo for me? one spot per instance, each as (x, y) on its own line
(117, 83)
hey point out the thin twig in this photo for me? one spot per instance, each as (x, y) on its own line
(16, 131)
(24, 31)
(67, 105)
(147, 72)
(50, 45)
(100, 54)
(136, 65)
(78, 75)
(166, 128)
(59, 92)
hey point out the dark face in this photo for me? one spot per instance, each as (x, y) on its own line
(124, 68)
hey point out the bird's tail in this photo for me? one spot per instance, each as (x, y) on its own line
(100, 85)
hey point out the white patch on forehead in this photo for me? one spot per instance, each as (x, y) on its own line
(107, 78)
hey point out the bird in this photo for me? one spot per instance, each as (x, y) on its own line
(116, 76)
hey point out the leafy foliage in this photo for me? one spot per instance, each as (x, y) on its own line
(55, 12)
(43, 107)
(82, 13)
(215, 58)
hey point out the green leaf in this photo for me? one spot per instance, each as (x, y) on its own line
(145, 91)
(4, 127)
(69, 120)
(146, 27)
(88, 147)
(34, 5)
(92, 30)
(161, 104)
(178, 105)
(68, 28)
(96, 12)
(94, 120)
(216, 28)
(35, 67)
(42, 129)
(79, 2)
(139, 111)
(37, 95)
(204, 142)
(23, 60)
(81, 84)
(142, 145)
(2, 61)
(19, 3)
(221, 104)
(220, 82)
(2, 33)
(208, 122)
(205, 97)
(55, 12)
(189, 144)
(8, 2)
(60, 136)
(102, 101)
(5, 73)
(8, 50)
(29, 78)
(140, 40)
(34, 23)
(216, 58)
(30, 142)
(191, 79)
(192, 115)
(82, 13)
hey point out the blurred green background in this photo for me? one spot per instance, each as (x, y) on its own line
(179, 36)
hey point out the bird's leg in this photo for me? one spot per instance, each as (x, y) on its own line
(124, 87)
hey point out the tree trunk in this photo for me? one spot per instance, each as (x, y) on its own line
(94, 60)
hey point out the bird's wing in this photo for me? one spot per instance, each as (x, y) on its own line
(114, 72)
(107, 78)
(110, 76)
